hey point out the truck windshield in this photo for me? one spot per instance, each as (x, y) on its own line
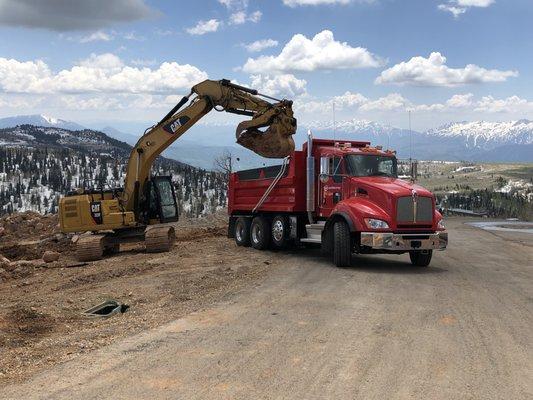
(371, 165)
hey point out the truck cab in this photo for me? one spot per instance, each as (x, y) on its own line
(345, 196)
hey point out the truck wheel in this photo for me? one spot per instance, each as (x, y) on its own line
(260, 233)
(242, 232)
(326, 247)
(420, 258)
(280, 232)
(342, 249)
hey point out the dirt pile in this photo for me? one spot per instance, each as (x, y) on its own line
(25, 238)
(27, 225)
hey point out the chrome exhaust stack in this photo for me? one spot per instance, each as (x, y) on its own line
(310, 178)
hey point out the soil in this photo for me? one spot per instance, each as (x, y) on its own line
(41, 321)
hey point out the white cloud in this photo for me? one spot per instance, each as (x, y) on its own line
(203, 27)
(286, 85)
(71, 16)
(513, 104)
(234, 4)
(393, 101)
(433, 71)
(104, 73)
(260, 45)
(144, 62)
(322, 52)
(458, 7)
(95, 37)
(241, 17)
(296, 3)
(460, 101)
(455, 11)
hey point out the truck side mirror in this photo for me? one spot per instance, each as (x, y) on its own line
(325, 166)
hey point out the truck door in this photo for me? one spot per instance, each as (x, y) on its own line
(330, 184)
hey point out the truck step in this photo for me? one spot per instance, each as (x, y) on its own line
(314, 233)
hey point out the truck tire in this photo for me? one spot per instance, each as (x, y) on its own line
(326, 247)
(420, 259)
(342, 249)
(260, 233)
(242, 232)
(280, 232)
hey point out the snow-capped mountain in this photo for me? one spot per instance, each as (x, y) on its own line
(486, 135)
(39, 120)
(475, 141)
(39, 164)
(38, 136)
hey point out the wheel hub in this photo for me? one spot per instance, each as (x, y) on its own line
(277, 231)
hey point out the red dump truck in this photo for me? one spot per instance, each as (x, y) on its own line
(344, 196)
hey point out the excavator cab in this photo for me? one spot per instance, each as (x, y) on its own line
(159, 205)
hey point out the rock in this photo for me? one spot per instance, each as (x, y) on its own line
(39, 226)
(3, 275)
(75, 238)
(4, 261)
(50, 256)
(2, 231)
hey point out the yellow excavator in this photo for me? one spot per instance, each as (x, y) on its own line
(146, 208)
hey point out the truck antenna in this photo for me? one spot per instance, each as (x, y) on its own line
(410, 138)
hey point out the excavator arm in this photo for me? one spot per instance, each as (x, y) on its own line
(274, 142)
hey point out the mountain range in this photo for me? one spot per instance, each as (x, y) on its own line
(510, 141)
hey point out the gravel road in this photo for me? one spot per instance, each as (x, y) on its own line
(460, 329)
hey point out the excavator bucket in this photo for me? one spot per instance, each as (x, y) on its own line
(276, 141)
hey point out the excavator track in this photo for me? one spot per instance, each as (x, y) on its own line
(159, 239)
(90, 248)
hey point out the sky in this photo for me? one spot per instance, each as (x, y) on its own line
(125, 63)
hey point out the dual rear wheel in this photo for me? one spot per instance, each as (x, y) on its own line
(262, 232)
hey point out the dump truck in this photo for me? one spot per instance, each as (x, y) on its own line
(342, 195)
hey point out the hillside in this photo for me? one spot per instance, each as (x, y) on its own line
(38, 164)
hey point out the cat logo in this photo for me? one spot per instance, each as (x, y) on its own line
(175, 125)
(96, 212)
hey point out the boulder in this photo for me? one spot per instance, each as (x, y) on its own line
(39, 226)
(2, 231)
(50, 256)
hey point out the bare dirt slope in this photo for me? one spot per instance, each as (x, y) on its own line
(460, 329)
(41, 303)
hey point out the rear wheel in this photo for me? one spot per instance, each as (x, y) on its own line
(242, 232)
(421, 258)
(260, 233)
(342, 249)
(280, 232)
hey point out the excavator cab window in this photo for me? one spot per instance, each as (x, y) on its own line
(162, 204)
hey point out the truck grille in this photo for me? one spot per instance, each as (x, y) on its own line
(407, 207)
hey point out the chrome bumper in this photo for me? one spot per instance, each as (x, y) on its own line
(407, 241)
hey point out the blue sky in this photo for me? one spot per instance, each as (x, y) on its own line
(127, 63)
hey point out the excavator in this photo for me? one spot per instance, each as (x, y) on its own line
(146, 208)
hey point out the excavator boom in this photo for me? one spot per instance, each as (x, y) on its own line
(274, 142)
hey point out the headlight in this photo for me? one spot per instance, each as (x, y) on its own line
(441, 225)
(376, 223)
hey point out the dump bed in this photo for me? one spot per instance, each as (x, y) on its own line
(246, 188)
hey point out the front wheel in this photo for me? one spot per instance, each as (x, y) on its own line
(260, 233)
(420, 258)
(342, 245)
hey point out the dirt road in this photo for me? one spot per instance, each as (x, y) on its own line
(460, 329)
